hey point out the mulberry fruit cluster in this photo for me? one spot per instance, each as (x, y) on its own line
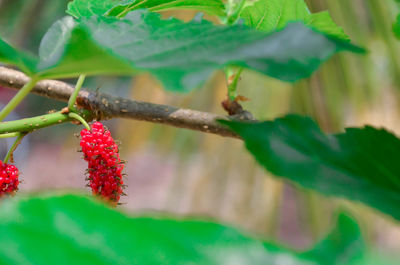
(8, 179)
(104, 165)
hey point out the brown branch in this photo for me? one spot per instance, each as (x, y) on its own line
(105, 106)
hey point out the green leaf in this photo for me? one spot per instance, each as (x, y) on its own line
(269, 15)
(88, 8)
(344, 245)
(70, 229)
(181, 55)
(10, 55)
(360, 164)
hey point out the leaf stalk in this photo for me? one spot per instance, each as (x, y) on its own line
(13, 103)
(13, 147)
(74, 95)
(79, 118)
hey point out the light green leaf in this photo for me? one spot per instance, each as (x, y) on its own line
(213, 7)
(181, 55)
(54, 41)
(323, 22)
(360, 164)
(396, 27)
(88, 8)
(269, 15)
(69, 229)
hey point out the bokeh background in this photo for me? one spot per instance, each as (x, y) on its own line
(192, 173)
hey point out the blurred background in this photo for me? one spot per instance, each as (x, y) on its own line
(192, 173)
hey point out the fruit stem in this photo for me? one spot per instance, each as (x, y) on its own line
(13, 103)
(80, 119)
(9, 135)
(13, 147)
(38, 122)
(232, 83)
(234, 9)
(72, 98)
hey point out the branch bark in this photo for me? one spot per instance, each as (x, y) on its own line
(105, 106)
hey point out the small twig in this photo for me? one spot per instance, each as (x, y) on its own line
(38, 122)
(9, 135)
(105, 106)
(74, 95)
(80, 119)
(13, 103)
(232, 82)
(10, 153)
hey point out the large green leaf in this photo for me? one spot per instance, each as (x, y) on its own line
(88, 8)
(68, 229)
(268, 15)
(182, 55)
(360, 164)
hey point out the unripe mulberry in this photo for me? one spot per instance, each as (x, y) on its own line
(8, 179)
(104, 165)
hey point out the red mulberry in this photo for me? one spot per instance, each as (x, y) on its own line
(104, 165)
(8, 179)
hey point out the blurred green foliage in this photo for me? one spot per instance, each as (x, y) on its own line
(71, 229)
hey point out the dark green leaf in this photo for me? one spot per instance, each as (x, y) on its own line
(360, 164)
(70, 229)
(269, 15)
(182, 55)
(88, 8)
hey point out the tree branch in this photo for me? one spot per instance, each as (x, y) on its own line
(105, 106)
